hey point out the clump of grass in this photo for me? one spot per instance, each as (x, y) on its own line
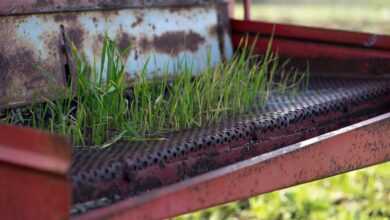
(103, 108)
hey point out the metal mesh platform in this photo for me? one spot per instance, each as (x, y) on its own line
(103, 176)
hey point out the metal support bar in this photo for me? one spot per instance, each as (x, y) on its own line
(353, 147)
(247, 9)
(231, 7)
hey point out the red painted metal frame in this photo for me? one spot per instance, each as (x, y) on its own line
(323, 50)
(312, 34)
(33, 170)
(346, 149)
(309, 50)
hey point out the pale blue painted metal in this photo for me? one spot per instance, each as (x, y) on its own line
(152, 32)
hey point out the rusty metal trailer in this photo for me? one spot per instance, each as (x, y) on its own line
(341, 122)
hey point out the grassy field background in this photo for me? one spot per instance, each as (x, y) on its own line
(358, 195)
(368, 16)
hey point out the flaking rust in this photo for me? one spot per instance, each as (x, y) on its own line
(30, 64)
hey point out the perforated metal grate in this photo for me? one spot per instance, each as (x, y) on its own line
(102, 176)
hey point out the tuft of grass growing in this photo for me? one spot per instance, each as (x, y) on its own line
(104, 108)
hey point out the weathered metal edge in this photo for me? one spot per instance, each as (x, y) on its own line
(353, 147)
(34, 180)
(33, 149)
(22, 7)
(312, 34)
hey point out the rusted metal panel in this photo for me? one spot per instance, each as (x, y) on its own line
(164, 37)
(30, 60)
(33, 56)
(33, 169)
(356, 146)
(16, 7)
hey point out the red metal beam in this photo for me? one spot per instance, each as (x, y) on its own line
(346, 149)
(310, 50)
(33, 174)
(324, 51)
(365, 40)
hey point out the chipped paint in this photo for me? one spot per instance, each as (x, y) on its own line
(158, 36)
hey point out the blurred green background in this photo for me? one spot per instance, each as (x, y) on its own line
(358, 195)
(359, 15)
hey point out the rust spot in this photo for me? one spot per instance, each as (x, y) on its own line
(213, 30)
(4, 64)
(109, 3)
(19, 76)
(124, 43)
(42, 3)
(173, 42)
(65, 17)
(22, 62)
(53, 42)
(145, 44)
(34, 82)
(100, 37)
(181, 9)
(152, 26)
(76, 35)
(138, 20)
(73, 2)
